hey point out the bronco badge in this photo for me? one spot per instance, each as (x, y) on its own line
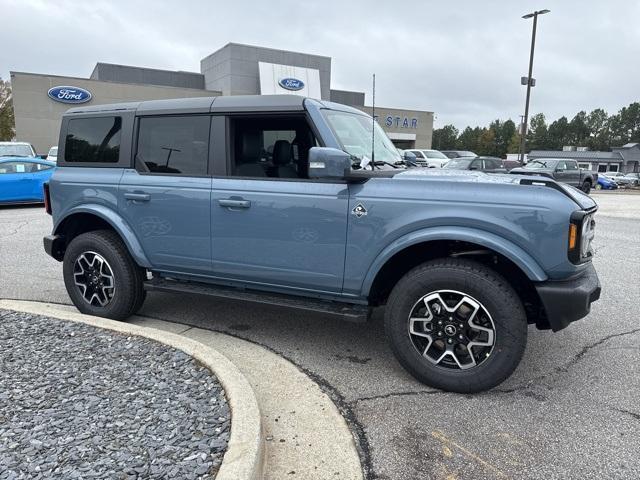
(359, 210)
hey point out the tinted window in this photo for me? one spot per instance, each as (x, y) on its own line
(93, 140)
(571, 165)
(176, 145)
(271, 147)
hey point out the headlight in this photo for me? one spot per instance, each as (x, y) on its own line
(581, 233)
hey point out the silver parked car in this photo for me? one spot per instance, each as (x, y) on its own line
(429, 158)
(629, 180)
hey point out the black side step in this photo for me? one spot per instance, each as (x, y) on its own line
(347, 311)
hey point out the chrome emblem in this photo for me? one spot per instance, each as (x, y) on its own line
(359, 210)
(450, 330)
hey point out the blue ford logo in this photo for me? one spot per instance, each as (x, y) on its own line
(291, 84)
(67, 94)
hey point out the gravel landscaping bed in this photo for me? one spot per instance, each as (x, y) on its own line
(82, 402)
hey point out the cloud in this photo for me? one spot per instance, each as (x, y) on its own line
(462, 59)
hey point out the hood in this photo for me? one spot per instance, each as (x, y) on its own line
(17, 158)
(471, 176)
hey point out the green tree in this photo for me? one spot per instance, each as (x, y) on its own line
(514, 143)
(445, 138)
(486, 144)
(7, 121)
(599, 126)
(630, 123)
(559, 134)
(578, 129)
(537, 136)
(468, 139)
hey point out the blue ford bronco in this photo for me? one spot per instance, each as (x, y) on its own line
(300, 203)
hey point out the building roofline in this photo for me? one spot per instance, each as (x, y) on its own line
(145, 68)
(228, 44)
(85, 79)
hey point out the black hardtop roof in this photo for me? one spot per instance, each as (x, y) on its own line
(231, 103)
(234, 103)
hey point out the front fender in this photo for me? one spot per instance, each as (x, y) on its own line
(517, 255)
(119, 225)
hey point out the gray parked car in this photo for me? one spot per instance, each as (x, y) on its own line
(274, 200)
(562, 170)
(628, 180)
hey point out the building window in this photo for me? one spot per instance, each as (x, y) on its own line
(177, 145)
(613, 167)
(93, 140)
(585, 166)
(602, 168)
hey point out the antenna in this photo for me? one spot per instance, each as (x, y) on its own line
(373, 125)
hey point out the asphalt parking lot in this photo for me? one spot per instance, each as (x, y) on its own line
(571, 410)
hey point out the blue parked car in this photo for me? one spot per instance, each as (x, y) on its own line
(296, 202)
(21, 179)
(605, 183)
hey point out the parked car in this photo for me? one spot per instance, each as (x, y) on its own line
(458, 153)
(483, 164)
(511, 164)
(429, 158)
(175, 196)
(17, 149)
(629, 180)
(562, 170)
(21, 179)
(605, 182)
(612, 175)
(52, 156)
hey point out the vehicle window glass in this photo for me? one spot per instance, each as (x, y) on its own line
(476, 165)
(93, 140)
(561, 165)
(276, 147)
(16, 150)
(434, 154)
(571, 165)
(174, 145)
(19, 167)
(458, 164)
(417, 153)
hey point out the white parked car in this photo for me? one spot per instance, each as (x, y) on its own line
(429, 158)
(52, 156)
(16, 149)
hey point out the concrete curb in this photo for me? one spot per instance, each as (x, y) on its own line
(244, 456)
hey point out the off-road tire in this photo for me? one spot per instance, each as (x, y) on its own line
(586, 186)
(129, 293)
(487, 287)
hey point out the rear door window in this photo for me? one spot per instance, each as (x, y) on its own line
(93, 140)
(176, 145)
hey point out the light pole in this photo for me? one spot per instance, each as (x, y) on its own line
(529, 81)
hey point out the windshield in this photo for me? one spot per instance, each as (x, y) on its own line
(354, 134)
(16, 150)
(539, 164)
(434, 154)
(459, 163)
(53, 151)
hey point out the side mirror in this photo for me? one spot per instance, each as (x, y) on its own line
(410, 159)
(325, 162)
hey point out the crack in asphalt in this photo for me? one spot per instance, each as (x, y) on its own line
(17, 228)
(411, 393)
(571, 363)
(628, 412)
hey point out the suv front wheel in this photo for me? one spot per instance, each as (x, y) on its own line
(101, 277)
(456, 325)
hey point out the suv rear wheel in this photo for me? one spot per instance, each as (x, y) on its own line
(456, 325)
(586, 186)
(101, 277)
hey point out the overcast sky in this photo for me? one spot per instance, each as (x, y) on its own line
(461, 59)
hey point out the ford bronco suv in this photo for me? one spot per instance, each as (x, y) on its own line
(282, 200)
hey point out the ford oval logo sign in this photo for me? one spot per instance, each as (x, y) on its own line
(67, 94)
(291, 84)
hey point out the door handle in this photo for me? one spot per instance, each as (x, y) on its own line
(234, 203)
(138, 197)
